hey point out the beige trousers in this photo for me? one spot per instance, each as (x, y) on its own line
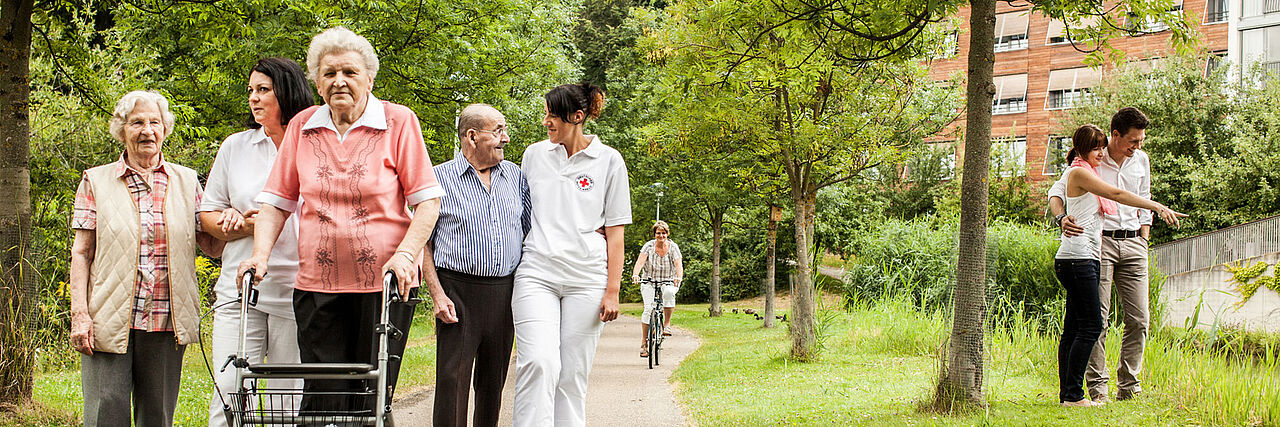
(1124, 270)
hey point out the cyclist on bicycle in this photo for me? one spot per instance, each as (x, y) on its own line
(659, 261)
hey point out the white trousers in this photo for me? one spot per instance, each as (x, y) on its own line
(272, 337)
(557, 327)
(646, 295)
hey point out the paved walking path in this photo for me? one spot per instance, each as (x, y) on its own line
(621, 391)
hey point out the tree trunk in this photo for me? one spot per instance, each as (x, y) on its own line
(771, 259)
(17, 280)
(962, 382)
(803, 325)
(717, 225)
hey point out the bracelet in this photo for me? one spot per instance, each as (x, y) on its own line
(407, 255)
(1058, 219)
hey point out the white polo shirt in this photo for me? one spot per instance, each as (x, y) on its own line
(572, 197)
(238, 175)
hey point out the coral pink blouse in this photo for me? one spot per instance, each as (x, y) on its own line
(357, 190)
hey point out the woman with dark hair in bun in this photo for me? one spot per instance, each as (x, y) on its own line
(567, 283)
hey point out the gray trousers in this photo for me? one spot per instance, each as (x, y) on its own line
(1124, 269)
(149, 371)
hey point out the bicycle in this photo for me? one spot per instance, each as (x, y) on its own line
(656, 320)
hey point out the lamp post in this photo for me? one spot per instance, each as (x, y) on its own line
(657, 215)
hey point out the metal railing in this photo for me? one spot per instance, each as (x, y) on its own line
(1273, 66)
(1271, 6)
(1230, 244)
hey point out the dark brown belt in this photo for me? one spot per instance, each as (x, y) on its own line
(1120, 234)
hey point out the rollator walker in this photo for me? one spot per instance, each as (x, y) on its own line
(255, 402)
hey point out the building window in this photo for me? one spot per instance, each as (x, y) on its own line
(1262, 46)
(1214, 61)
(1009, 155)
(1057, 32)
(1151, 24)
(1216, 11)
(1011, 31)
(1260, 7)
(950, 46)
(1070, 87)
(1011, 94)
(1055, 156)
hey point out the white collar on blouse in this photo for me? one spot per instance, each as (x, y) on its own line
(374, 116)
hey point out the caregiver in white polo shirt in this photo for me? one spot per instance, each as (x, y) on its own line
(567, 283)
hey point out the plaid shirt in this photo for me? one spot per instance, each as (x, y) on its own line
(151, 291)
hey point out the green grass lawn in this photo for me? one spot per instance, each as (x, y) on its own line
(59, 398)
(880, 362)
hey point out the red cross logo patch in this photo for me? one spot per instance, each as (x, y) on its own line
(584, 182)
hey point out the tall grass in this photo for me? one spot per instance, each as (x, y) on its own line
(880, 360)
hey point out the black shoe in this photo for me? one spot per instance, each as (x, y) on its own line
(1124, 395)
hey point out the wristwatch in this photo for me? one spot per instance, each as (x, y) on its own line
(407, 255)
(1058, 219)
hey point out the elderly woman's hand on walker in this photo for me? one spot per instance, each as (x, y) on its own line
(404, 262)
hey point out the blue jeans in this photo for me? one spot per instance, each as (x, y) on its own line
(1081, 325)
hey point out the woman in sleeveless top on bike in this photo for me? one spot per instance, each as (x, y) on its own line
(659, 261)
(1078, 261)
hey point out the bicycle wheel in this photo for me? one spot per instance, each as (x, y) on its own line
(655, 334)
(657, 344)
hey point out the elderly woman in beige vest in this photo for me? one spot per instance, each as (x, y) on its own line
(134, 298)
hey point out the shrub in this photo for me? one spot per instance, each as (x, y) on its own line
(915, 260)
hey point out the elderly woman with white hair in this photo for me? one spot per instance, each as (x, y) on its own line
(360, 164)
(135, 303)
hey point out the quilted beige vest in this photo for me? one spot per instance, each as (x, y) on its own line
(114, 271)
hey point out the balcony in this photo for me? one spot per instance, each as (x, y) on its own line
(1272, 67)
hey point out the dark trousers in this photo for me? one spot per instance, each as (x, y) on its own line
(339, 328)
(1081, 325)
(481, 339)
(149, 371)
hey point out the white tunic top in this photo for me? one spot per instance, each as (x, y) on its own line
(573, 197)
(238, 175)
(1085, 209)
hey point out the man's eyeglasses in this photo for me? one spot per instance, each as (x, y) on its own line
(496, 132)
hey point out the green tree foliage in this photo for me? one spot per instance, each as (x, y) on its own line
(1214, 144)
(748, 76)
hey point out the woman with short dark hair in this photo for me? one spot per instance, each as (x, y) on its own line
(277, 90)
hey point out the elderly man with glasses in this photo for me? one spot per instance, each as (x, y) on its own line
(470, 266)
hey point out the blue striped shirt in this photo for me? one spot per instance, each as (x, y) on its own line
(481, 231)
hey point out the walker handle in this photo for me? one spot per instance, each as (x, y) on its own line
(392, 286)
(246, 288)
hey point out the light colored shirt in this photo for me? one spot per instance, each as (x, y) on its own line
(480, 230)
(573, 197)
(1086, 210)
(151, 309)
(357, 191)
(1135, 176)
(238, 174)
(660, 267)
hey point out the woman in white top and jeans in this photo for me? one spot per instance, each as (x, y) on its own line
(1078, 262)
(567, 283)
(660, 261)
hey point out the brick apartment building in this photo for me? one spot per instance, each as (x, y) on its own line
(1039, 75)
